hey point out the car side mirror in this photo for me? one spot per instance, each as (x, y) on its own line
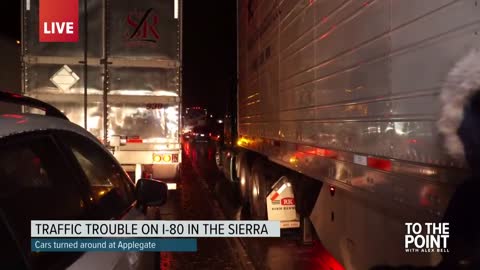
(151, 192)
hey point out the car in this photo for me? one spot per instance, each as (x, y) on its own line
(186, 137)
(200, 134)
(52, 169)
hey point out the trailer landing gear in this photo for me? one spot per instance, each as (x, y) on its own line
(306, 228)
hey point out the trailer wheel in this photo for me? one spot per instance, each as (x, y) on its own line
(218, 159)
(244, 181)
(259, 188)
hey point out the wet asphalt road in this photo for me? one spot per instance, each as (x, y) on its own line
(205, 194)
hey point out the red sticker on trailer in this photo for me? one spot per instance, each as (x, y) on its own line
(288, 201)
(58, 21)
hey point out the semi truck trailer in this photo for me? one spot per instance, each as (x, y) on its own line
(121, 81)
(333, 119)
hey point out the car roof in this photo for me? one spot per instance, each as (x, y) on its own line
(200, 128)
(16, 124)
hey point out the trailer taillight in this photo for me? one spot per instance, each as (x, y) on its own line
(167, 158)
(134, 140)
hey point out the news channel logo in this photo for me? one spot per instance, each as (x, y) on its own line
(427, 237)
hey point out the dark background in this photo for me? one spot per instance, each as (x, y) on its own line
(10, 72)
(209, 51)
(209, 55)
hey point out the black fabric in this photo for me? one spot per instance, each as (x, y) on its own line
(469, 133)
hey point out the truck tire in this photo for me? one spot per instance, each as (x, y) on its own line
(234, 177)
(237, 165)
(259, 188)
(218, 159)
(244, 181)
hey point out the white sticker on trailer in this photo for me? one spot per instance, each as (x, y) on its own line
(64, 78)
(360, 160)
(175, 9)
(281, 205)
(289, 224)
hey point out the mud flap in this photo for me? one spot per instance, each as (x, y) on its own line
(281, 204)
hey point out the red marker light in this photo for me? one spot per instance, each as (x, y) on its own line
(134, 140)
(332, 190)
(378, 163)
(14, 116)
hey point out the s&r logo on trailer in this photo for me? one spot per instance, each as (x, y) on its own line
(142, 27)
(58, 21)
(427, 237)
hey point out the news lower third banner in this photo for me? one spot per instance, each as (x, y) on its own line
(138, 235)
(112, 244)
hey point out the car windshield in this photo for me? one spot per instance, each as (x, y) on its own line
(200, 130)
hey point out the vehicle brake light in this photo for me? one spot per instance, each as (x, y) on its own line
(134, 140)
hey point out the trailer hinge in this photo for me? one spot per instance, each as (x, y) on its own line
(103, 61)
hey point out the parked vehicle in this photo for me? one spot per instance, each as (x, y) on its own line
(194, 117)
(121, 81)
(200, 134)
(333, 120)
(52, 169)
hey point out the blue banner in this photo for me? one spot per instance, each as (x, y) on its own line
(113, 244)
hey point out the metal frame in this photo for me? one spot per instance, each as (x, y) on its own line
(85, 65)
(23, 47)
(106, 71)
(180, 71)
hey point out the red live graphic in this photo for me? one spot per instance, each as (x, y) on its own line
(58, 21)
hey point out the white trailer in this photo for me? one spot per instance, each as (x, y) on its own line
(337, 109)
(121, 81)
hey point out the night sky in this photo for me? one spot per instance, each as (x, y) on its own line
(209, 51)
(10, 20)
